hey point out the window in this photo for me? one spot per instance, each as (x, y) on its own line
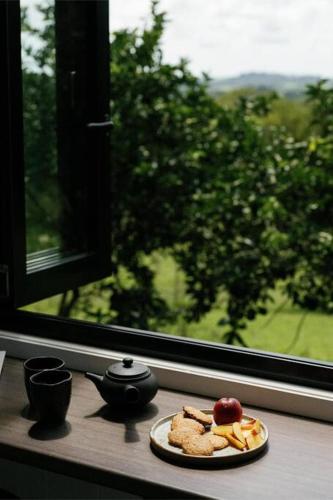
(55, 186)
(172, 145)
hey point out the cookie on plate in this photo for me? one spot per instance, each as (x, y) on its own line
(177, 420)
(180, 422)
(188, 423)
(197, 415)
(177, 437)
(219, 442)
(198, 445)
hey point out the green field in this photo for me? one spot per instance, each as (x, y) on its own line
(285, 329)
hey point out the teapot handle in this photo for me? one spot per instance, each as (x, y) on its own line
(132, 394)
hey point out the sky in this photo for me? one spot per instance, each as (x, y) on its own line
(229, 37)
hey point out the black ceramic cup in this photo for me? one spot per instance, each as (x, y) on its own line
(36, 365)
(51, 394)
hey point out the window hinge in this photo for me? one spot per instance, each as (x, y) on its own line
(4, 281)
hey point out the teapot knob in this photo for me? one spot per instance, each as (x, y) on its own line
(127, 362)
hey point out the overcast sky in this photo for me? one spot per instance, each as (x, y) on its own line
(229, 37)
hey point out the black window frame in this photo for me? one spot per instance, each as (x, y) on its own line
(25, 280)
(256, 363)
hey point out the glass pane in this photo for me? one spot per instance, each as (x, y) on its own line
(43, 194)
(222, 187)
(55, 118)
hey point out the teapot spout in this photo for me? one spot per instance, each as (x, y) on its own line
(97, 379)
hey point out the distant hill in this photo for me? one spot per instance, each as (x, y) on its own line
(288, 85)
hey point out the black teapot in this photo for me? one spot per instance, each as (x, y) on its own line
(126, 384)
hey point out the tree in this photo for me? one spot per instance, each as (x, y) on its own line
(312, 184)
(189, 177)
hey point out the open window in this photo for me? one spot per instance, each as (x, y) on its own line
(169, 141)
(54, 204)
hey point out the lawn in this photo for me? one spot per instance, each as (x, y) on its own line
(285, 329)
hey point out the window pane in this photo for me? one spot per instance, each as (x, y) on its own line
(55, 108)
(222, 188)
(43, 194)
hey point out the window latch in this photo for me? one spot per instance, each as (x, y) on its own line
(4, 281)
(100, 125)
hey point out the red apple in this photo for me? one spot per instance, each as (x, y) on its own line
(227, 410)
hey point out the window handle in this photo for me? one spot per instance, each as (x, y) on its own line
(97, 125)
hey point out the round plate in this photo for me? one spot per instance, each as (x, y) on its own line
(229, 455)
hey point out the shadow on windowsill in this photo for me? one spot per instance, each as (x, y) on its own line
(49, 432)
(29, 413)
(127, 417)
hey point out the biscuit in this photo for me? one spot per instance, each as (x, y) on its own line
(177, 437)
(188, 423)
(176, 421)
(179, 421)
(198, 415)
(218, 442)
(197, 445)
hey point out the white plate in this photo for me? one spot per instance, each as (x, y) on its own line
(230, 455)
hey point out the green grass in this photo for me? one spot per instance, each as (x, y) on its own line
(289, 330)
(285, 329)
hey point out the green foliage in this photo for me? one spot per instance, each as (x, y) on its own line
(312, 287)
(322, 97)
(291, 115)
(163, 138)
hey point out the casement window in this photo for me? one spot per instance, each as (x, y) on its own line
(69, 245)
(62, 190)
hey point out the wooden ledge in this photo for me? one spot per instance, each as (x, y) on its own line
(103, 449)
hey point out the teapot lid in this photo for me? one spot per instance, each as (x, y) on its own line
(127, 369)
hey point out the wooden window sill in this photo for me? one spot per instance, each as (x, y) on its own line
(117, 454)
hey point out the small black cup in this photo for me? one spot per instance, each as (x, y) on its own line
(51, 394)
(36, 365)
